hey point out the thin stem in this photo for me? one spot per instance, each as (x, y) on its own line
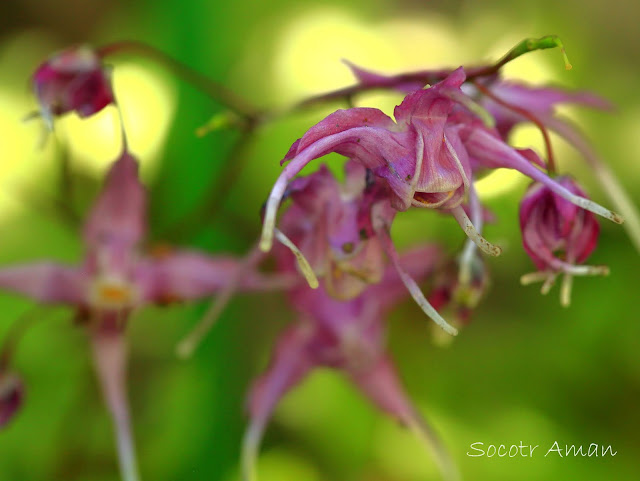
(203, 83)
(382, 232)
(431, 77)
(110, 357)
(192, 340)
(216, 193)
(551, 165)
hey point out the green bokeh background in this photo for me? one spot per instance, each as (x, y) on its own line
(524, 370)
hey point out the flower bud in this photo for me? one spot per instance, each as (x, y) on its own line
(558, 236)
(74, 80)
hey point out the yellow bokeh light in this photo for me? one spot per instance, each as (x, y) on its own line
(147, 101)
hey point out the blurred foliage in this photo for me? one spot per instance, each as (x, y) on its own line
(524, 370)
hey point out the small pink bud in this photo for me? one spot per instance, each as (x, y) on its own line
(74, 80)
(558, 236)
(11, 395)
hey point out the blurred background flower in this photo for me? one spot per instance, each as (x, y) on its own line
(524, 369)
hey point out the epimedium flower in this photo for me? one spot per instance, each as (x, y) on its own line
(115, 278)
(425, 157)
(73, 80)
(558, 237)
(342, 229)
(348, 336)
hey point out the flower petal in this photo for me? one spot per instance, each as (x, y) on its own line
(46, 282)
(119, 214)
(187, 275)
(290, 364)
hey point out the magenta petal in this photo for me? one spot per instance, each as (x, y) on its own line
(11, 397)
(187, 275)
(339, 121)
(46, 282)
(119, 214)
(381, 385)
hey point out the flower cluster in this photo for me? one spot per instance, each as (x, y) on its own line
(335, 260)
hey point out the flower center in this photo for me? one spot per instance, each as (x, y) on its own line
(112, 294)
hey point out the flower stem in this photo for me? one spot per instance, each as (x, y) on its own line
(110, 357)
(203, 83)
(430, 77)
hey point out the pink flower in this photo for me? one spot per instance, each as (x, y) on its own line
(342, 232)
(425, 159)
(348, 336)
(74, 80)
(558, 236)
(114, 278)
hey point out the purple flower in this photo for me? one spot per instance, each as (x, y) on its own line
(342, 232)
(11, 396)
(558, 236)
(425, 159)
(114, 278)
(74, 80)
(348, 336)
(538, 101)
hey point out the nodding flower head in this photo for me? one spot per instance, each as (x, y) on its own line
(343, 229)
(558, 236)
(331, 224)
(419, 157)
(74, 80)
(11, 396)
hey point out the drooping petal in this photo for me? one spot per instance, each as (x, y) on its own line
(540, 101)
(47, 282)
(361, 136)
(381, 385)
(291, 362)
(110, 357)
(494, 152)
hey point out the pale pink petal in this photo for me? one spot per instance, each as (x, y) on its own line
(187, 275)
(46, 282)
(119, 214)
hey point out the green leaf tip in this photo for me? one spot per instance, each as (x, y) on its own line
(532, 44)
